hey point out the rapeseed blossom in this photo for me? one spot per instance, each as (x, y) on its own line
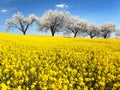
(43, 62)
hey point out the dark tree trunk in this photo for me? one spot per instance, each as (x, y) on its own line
(24, 32)
(26, 29)
(52, 30)
(53, 34)
(105, 36)
(75, 34)
(22, 28)
(91, 37)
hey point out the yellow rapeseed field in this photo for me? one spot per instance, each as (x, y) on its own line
(58, 63)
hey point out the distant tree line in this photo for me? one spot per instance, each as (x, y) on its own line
(60, 21)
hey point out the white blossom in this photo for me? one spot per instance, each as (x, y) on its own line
(75, 25)
(107, 29)
(92, 30)
(53, 21)
(20, 22)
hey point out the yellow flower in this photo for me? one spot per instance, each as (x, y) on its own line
(30, 62)
(3, 86)
(19, 88)
(32, 70)
(8, 82)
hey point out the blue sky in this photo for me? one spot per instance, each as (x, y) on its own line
(98, 11)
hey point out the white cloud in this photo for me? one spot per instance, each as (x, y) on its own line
(61, 5)
(4, 10)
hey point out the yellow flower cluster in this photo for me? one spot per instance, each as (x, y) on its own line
(58, 63)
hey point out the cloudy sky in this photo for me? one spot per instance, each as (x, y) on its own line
(99, 11)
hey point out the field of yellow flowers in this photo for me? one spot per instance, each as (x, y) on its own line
(58, 63)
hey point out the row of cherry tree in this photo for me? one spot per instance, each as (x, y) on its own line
(60, 21)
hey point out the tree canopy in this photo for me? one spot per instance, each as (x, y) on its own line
(20, 22)
(55, 21)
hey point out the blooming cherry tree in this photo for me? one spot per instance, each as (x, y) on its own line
(92, 30)
(117, 33)
(52, 20)
(107, 29)
(75, 25)
(20, 22)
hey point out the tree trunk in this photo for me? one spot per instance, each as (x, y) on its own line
(24, 32)
(22, 28)
(52, 31)
(26, 28)
(53, 34)
(105, 36)
(75, 34)
(91, 36)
